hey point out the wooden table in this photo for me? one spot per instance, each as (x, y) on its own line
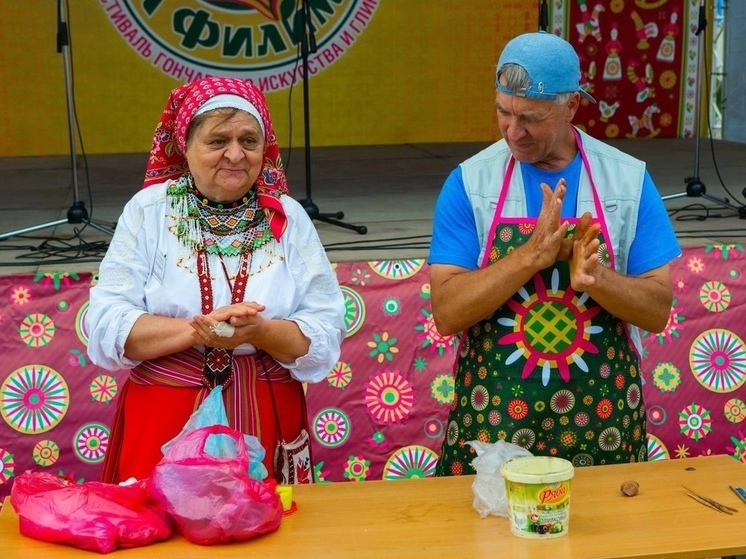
(434, 518)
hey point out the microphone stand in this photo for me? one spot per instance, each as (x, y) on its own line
(695, 188)
(543, 16)
(307, 45)
(77, 213)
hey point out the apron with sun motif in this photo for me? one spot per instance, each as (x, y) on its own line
(550, 370)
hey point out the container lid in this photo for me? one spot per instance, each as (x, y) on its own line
(537, 469)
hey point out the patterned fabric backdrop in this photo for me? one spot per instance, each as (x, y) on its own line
(639, 60)
(381, 413)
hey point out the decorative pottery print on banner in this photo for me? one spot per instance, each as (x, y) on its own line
(735, 410)
(639, 60)
(354, 310)
(46, 452)
(340, 376)
(382, 411)
(7, 470)
(411, 462)
(656, 449)
(253, 39)
(103, 388)
(396, 269)
(91, 442)
(36, 330)
(718, 360)
(331, 427)
(388, 397)
(34, 399)
(80, 328)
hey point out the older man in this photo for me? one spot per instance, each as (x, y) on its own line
(550, 249)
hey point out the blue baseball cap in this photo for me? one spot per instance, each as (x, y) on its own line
(552, 65)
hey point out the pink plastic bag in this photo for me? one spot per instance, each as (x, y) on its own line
(91, 515)
(212, 499)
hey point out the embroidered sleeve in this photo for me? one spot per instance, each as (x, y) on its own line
(117, 300)
(320, 307)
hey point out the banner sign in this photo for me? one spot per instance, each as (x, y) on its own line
(252, 39)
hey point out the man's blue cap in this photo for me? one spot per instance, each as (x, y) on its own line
(551, 63)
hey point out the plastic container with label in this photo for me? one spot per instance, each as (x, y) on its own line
(538, 493)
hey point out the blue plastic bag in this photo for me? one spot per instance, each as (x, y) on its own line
(212, 412)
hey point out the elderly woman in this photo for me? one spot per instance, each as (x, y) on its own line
(215, 276)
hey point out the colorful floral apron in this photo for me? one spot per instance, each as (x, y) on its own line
(550, 370)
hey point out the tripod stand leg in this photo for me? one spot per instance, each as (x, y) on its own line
(32, 228)
(723, 202)
(362, 229)
(102, 228)
(331, 218)
(335, 215)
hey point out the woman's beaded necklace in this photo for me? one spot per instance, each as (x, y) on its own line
(224, 229)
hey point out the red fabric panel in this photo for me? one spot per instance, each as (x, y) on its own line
(381, 412)
(633, 56)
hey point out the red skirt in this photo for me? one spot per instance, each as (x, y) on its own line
(149, 416)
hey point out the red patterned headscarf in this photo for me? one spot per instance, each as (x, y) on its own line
(167, 160)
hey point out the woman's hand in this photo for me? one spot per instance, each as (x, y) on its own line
(282, 339)
(244, 317)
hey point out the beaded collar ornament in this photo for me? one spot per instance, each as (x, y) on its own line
(222, 229)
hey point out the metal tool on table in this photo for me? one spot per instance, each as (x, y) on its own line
(712, 503)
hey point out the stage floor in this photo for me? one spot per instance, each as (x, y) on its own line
(389, 189)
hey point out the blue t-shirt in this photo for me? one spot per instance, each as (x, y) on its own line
(455, 240)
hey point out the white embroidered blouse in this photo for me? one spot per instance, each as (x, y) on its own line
(148, 270)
